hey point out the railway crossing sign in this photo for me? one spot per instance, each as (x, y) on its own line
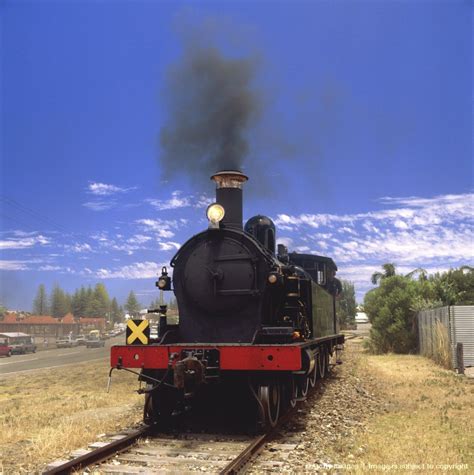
(138, 332)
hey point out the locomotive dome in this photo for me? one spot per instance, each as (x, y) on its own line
(263, 229)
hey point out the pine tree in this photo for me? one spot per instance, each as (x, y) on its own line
(83, 302)
(89, 302)
(100, 303)
(131, 305)
(40, 304)
(115, 313)
(76, 304)
(59, 304)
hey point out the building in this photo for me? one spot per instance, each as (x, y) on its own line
(47, 328)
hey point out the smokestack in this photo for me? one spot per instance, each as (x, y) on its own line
(229, 195)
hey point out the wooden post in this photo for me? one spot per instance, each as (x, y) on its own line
(460, 357)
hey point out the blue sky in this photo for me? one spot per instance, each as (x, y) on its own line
(363, 150)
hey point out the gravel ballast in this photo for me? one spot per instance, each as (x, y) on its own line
(322, 431)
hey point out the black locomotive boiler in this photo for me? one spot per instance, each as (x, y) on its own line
(247, 314)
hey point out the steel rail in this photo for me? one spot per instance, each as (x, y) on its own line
(238, 464)
(100, 454)
(246, 455)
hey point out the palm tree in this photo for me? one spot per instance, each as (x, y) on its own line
(388, 271)
(423, 275)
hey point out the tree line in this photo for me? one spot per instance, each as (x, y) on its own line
(393, 305)
(84, 302)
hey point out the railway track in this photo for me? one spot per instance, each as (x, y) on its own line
(141, 451)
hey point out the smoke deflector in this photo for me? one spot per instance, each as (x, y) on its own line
(229, 195)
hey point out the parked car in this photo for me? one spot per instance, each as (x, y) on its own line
(66, 342)
(81, 339)
(20, 343)
(5, 349)
(94, 340)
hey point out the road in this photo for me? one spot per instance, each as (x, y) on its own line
(56, 357)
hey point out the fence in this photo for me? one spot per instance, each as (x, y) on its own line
(441, 329)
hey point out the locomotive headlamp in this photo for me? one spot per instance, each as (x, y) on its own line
(215, 213)
(161, 283)
(164, 281)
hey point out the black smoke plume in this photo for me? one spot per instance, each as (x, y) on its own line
(211, 106)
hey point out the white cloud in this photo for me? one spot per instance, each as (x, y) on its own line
(49, 267)
(179, 201)
(400, 224)
(137, 270)
(164, 233)
(99, 205)
(176, 201)
(13, 265)
(121, 243)
(25, 242)
(168, 246)
(160, 227)
(433, 233)
(138, 239)
(78, 247)
(20, 233)
(100, 237)
(441, 200)
(103, 189)
(423, 211)
(203, 201)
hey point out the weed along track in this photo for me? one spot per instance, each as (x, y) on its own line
(141, 451)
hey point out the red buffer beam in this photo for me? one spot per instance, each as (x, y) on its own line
(232, 358)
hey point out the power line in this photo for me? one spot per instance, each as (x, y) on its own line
(38, 216)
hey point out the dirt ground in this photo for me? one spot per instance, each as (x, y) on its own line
(380, 414)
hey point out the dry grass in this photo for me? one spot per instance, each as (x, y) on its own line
(427, 416)
(442, 348)
(428, 421)
(47, 413)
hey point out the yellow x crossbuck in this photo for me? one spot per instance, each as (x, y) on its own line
(137, 331)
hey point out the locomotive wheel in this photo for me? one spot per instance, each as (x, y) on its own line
(158, 409)
(330, 361)
(148, 410)
(294, 392)
(303, 386)
(270, 398)
(313, 377)
(322, 363)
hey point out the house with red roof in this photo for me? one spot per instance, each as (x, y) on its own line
(48, 328)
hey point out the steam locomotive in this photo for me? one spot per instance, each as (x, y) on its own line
(249, 315)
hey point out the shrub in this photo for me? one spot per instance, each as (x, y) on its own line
(390, 309)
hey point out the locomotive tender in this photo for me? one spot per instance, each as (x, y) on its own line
(247, 313)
